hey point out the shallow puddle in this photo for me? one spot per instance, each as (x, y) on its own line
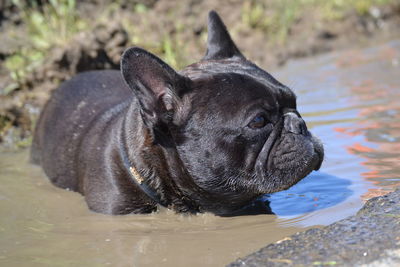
(349, 99)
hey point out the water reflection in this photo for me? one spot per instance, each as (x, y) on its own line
(350, 100)
(317, 191)
(377, 88)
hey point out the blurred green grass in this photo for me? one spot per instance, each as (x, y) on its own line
(276, 17)
(55, 22)
(48, 25)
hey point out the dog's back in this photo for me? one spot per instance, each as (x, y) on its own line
(67, 116)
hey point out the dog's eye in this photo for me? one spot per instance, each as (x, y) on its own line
(259, 121)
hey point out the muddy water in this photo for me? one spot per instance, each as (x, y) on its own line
(350, 99)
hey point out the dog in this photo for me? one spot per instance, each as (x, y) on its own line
(210, 138)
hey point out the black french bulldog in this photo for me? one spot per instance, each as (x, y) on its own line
(212, 137)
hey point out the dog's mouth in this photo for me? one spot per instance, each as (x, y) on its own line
(265, 152)
(287, 157)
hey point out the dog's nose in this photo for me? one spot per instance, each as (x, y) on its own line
(294, 124)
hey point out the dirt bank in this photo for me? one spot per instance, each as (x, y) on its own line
(370, 237)
(36, 57)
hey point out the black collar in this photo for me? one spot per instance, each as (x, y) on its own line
(140, 181)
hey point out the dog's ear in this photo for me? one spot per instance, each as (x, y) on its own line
(219, 42)
(156, 85)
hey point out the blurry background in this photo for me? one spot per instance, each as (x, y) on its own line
(44, 42)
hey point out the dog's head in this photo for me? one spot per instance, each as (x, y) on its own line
(235, 129)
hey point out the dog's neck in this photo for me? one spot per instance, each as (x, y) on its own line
(144, 162)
